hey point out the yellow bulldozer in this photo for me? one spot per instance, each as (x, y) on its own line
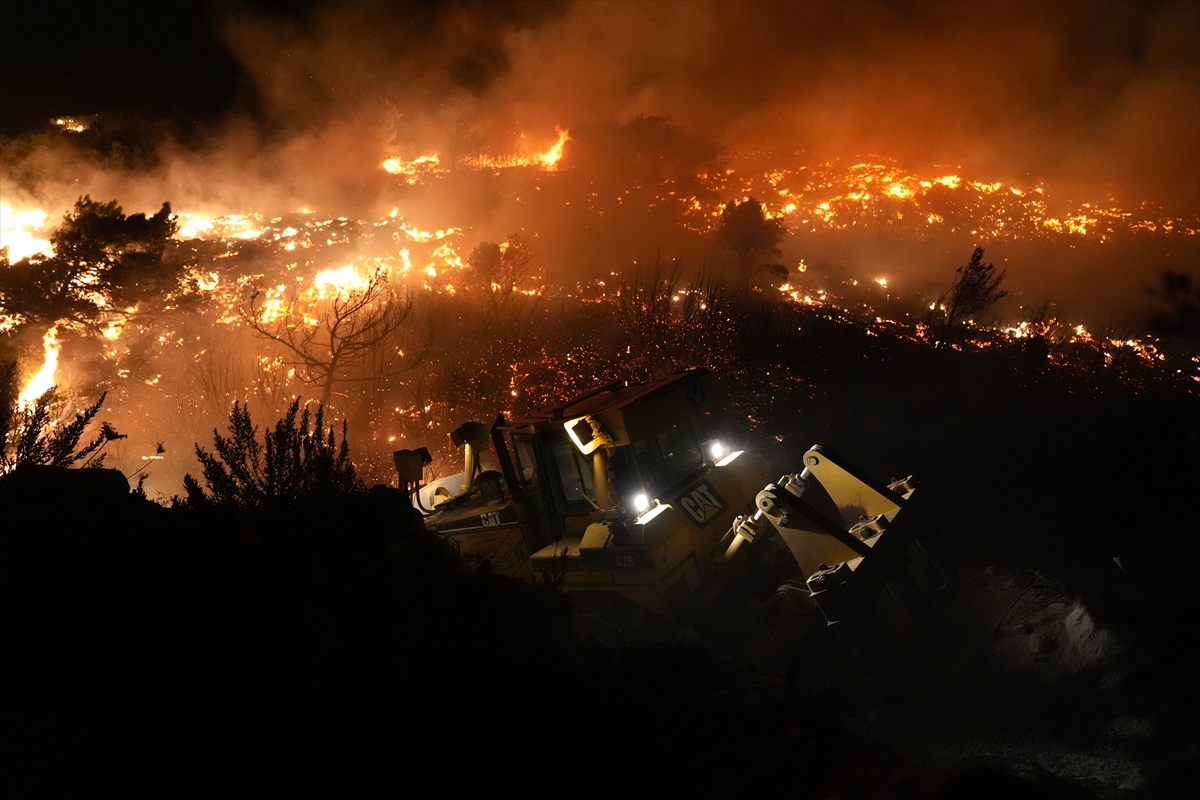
(616, 492)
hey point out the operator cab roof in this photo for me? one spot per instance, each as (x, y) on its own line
(688, 385)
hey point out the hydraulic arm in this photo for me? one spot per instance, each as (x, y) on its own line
(845, 566)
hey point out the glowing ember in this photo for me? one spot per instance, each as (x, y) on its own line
(44, 379)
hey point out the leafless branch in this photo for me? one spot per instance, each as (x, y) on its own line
(347, 334)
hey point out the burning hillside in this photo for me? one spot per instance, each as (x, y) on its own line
(404, 327)
(957, 240)
(425, 214)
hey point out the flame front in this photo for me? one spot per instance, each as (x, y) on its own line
(547, 159)
(551, 157)
(44, 379)
(415, 171)
(340, 282)
(18, 232)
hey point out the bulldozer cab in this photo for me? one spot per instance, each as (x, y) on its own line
(555, 480)
(613, 491)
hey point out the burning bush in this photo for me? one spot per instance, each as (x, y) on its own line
(31, 435)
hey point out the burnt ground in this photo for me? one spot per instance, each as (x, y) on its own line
(333, 643)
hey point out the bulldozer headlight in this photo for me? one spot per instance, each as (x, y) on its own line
(716, 449)
(588, 434)
(640, 502)
(729, 458)
(655, 510)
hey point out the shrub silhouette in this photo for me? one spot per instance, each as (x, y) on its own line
(293, 461)
(976, 288)
(32, 436)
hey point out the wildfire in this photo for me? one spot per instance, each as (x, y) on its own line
(229, 226)
(882, 194)
(551, 157)
(300, 263)
(18, 232)
(417, 235)
(419, 168)
(340, 282)
(547, 159)
(44, 379)
(274, 306)
(70, 124)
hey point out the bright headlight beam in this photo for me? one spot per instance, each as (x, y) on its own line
(651, 514)
(730, 458)
(640, 502)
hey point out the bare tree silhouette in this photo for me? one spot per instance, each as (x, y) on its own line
(333, 346)
(644, 305)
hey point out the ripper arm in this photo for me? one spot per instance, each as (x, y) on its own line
(843, 567)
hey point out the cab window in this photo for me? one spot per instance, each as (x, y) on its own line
(680, 453)
(526, 460)
(667, 458)
(574, 470)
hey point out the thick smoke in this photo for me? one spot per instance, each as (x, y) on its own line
(1089, 98)
(1094, 97)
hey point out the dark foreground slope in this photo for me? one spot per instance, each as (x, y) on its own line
(336, 644)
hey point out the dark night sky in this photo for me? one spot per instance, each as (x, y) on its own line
(158, 60)
(165, 62)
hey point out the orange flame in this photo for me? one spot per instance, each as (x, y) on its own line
(44, 379)
(547, 159)
(551, 157)
(18, 232)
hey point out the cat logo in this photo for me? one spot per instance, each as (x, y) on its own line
(701, 503)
